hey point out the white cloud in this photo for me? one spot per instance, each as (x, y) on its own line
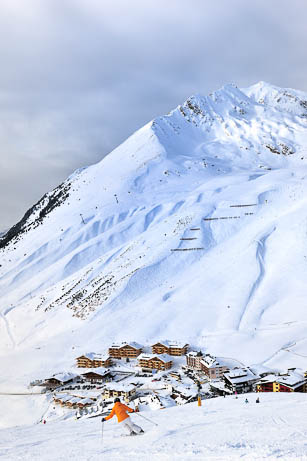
(78, 76)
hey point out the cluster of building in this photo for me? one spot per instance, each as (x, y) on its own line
(159, 359)
(64, 380)
(73, 401)
(236, 378)
(290, 381)
(181, 374)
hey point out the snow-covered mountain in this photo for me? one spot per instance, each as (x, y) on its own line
(195, 228)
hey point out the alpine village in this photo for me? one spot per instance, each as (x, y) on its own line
(164, 374)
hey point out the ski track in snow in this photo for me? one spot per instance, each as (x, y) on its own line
(260, 257)
(223, 428)
(8, 329)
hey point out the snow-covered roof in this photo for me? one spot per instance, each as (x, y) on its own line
(94, 356)
(74, 400)
(123, 344)
(99, 371)
(120, 387)
(214, 362)
(64, 376)
(64, 398)
(240, 375)
(184, 391)
(195, 354)
(87, 401)
(162, 357)
(292, 378)
(170, 343)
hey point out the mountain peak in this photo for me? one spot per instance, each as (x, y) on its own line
(176, 233)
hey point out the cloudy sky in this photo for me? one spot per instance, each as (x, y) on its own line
(79, 76)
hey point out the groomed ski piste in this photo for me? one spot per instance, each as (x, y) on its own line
(193, 229)
(221, 429)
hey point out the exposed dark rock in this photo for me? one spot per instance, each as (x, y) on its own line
(44, 206)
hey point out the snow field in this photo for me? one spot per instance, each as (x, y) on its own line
(223, 428)
(99, 267)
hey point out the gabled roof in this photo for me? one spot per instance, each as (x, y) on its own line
(94, 356)
(120, 387)
(90, 401)
(292, 378)
(64, 377)
(98, 371)
(124, 344)
(73, 400)
(64, 398)
(240, 375)
(163, 357)
(169, 343)
(214, 362)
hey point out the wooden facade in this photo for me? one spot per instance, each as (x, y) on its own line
(170, 348)
(96, 378)
(53, 382)
(149, 362)
(85, 403)
(125, 350)
(125, 393)
(175, 375)
(73, 401)
(92, 361)
(159, 348)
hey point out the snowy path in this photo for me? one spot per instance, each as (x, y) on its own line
(260, 257)
(8, 330)
(222, 429)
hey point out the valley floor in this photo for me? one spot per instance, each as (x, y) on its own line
(221, 429)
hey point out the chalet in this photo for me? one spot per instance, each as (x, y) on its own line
(152, 400)
(182, 395)
(215, 367)
(149, 362)
(61, 398)
(72, 403)
(58, 380)
(174, 348)
(119, 390)
(92, 360)
(240, 380)
(193, 360)
(125, 350)
(83, 403)
(175, 375)
(291, 381)
(97, 376)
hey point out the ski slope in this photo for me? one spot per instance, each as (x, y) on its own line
(223, 428)
(193, 229)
